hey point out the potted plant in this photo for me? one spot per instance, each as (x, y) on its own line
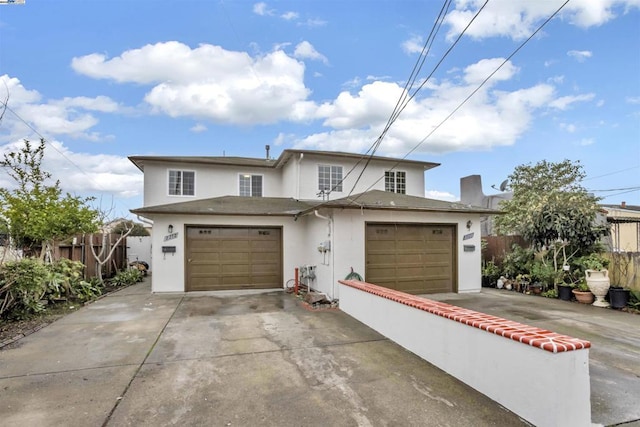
(564, 291)
(582, 292)
(597, 276)
(619, 296)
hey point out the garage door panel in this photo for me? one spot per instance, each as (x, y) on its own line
(413, 258)
(233, 258)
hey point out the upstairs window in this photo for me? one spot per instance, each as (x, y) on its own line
(395, 182)
(329, 178)
(182, 183)
(250, 185)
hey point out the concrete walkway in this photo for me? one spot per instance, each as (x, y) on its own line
(225, 359)
(614, 357)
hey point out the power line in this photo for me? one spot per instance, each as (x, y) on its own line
(7, 108)
(395, 117)
(397, 108)
(611, 173)
(472, 93)
(616, 189)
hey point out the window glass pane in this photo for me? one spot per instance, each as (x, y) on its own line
(174, 183)
(245, 185)
(256, 185)
(336, 178)
(324, 178)
(188, 183)
(389, 181)
(401, 182)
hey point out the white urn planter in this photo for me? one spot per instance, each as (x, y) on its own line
(598, 282)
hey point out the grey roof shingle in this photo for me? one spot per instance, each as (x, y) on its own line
(278, 206)
(286, 155)
(232, 205)
(378, 199)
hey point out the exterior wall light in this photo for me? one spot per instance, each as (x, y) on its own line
(170, 229)
(469, 224)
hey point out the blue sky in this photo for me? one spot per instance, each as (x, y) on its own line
(103, 80)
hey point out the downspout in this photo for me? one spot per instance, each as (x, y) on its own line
(298, 175)
(331, 251)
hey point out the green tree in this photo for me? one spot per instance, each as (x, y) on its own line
(36, 212)
(137, 229)
(550, 208)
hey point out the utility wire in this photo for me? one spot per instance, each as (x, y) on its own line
(7, 108)
(402, 99)
(471, 94)
(616, 189)
(424, 82)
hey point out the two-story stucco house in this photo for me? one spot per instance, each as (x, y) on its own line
(236, 223)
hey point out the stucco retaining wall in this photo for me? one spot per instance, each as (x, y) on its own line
(539, 375)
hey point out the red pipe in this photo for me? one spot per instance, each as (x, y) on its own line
(295, 286)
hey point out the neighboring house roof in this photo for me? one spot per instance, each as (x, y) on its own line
(286, 155)
(232, 205)
(378, 199)
(279, 206)
(622, 213)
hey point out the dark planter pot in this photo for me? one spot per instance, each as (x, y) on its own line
(618, 297)
(564, 293)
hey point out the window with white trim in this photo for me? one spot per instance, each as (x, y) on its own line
(250, 185)
(329, 178)
(395, 182)
(182, 183)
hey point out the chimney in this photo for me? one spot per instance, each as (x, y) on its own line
(623, 205)
(266, 147)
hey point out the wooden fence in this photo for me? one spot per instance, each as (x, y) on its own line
(80, 250)
(497, 247)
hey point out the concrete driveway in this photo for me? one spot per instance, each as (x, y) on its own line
(225, 359)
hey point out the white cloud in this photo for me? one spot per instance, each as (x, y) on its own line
(600, 103)
(519, 19)
(586, 141)
(209, 81)
(290, 16)
(569, 127)
(313, 23)
(556, 79)
(565, 102)
(262, 9)
(580, 55)
(305, 50)
(414, 45)
(69, 116)
(491, 118)
(85, 173)
(633, 99)
(440, 195)
(476, 73)
(198, 128)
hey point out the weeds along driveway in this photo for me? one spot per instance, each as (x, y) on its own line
(231, 359)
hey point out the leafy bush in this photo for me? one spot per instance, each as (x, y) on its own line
(23, 285)
(551, 293)
(127, 277)
(518, 261)
(593, 261)
(490, 274)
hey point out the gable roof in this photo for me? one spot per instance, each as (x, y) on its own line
(280, 206)
(378, 199)
(282, 160)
